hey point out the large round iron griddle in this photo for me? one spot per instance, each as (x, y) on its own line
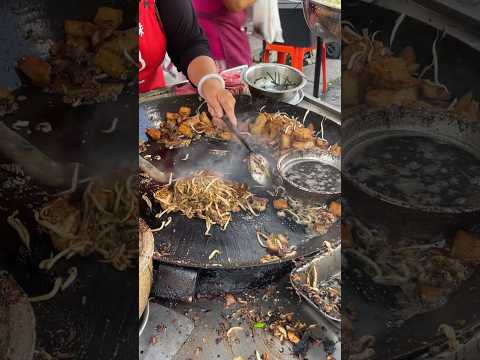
(183, 242)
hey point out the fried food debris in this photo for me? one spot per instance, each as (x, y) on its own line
(276, 246)
(356, 348)
(280, 204)
(108, 18)
(286, 328)
(335, 208)
(363, 348)
(154, 134)
(376, 77)
(286, 133)
(7, 102)
(316, 217)
(277, 130)
(89, 52)
(469, 107)
(36, 69)
(450, 334)
(435, 271)
(208, 196)
(180, 128)
(327, 295)
(104, 222)
(466, 247)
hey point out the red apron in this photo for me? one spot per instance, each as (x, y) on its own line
(152, 47)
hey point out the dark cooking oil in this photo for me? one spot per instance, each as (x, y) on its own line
(314, 176)
(419, 170)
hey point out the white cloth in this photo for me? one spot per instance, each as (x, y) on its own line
(266, 20)
(171, 74)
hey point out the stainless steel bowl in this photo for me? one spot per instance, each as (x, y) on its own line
(276, 81)
(296, 157)
(323, 20)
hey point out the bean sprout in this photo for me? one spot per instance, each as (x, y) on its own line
(51, 294)
(74, 185)
(398, 22)
(72, 275)
(20, 228)
(213, 254)
(112, 127)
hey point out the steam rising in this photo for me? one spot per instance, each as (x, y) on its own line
(227, 160)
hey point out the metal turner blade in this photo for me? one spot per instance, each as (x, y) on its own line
(258, 165)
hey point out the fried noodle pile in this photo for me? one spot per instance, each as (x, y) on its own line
(104, 223)
(208, 196)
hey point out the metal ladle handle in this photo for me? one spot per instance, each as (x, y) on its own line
(237, 134)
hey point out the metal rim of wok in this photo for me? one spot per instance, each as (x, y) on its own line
(189, 248)
(330, 265)
(144, 318)
(296, 157)
(433, 123)
(17, 329)
(315, 26)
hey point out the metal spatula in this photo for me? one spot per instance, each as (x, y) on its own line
(151, 170)
(258, 165)
(34, 162)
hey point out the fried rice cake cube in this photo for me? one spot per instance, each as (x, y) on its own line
(36, 69)
(391, 73)
(280, 204)
(258, 126)
(184, 111)
(154, 134)
(466, 247)
(78, 28)
(108, 17)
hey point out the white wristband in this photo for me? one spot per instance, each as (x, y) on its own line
(208, 77)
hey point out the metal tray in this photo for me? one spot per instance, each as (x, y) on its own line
(327, 266)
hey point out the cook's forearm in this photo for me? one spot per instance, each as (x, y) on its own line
(238, 5)
(199, 67)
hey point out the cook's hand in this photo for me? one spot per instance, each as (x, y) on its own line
(219, 100)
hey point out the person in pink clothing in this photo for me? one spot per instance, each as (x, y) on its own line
(223, 22)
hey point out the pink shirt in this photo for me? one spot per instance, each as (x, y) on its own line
(203, 7)
(224, 31)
